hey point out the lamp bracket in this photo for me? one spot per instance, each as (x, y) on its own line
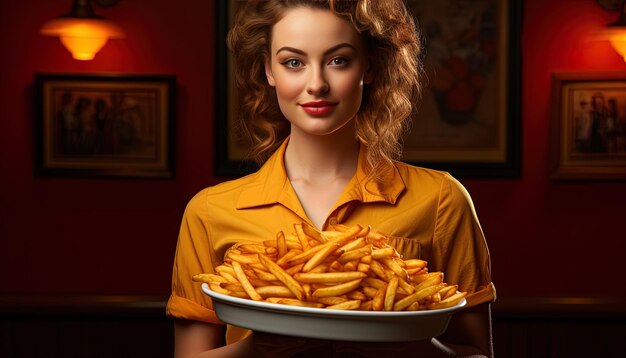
(106, 3)
(611, 5)
(82, 8)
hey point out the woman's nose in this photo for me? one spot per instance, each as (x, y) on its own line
(317, 83)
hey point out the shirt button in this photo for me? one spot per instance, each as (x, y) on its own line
(333, 221)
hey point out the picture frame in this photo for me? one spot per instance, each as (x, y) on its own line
(104, 125)
(588, 126)
(470, 142)
(468, 120)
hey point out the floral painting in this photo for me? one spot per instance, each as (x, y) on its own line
(463, 113)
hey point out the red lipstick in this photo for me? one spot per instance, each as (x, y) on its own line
(318, 108)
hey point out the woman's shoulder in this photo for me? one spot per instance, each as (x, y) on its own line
(222, 193)
(415, 172)
(443, 181)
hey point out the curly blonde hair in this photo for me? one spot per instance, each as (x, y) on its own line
(394, 52)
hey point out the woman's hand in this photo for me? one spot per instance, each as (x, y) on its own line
(279, 346)
(272, 345)
(423, 348)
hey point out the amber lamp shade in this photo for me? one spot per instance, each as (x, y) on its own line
(615, 32)
(81, 31)
(617, 38)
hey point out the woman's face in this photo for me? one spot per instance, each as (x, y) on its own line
(318, 67)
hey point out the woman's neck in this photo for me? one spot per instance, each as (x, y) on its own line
(320, 160)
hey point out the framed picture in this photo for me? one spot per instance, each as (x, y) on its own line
(588, 126)
(231, 148)
(468, 122)
(104, 125)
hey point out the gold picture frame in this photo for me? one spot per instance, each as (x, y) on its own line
(588, 126)
(104, 125)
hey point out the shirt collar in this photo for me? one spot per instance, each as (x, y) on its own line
(270, 185)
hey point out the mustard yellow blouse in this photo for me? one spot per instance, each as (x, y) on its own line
(426, 213)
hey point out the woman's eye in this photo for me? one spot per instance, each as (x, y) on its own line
(339, 61)
(292, 63)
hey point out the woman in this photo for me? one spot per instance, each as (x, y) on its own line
(340, 77)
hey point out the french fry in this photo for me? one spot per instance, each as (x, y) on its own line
(294, 269)
(413, 307)
(365, 231)
(275, 291)
(374, 282)
(293, 302)
(365, 306)
(244, 258)
(351, 266)
(394, 266)
(378, 269)
(232, 287)
(281, 244)
(208, 278)
(390, 293)
(283, 276)
(378, 301)
(319, 256)
(215, 286)
(421, 278)
(432, 280)
(302, 237)
(224, 268)
(383, 253)
(415, 263)
(337, 290)
(314, 233)
(264, 275)
(247, 286)
(348, 305)
(335, 266)
(307, 290)
(370, 292)
(448, 291)
(415, 297)
(320, 268)
(257, 282)
(355, 254)
(448, 302)
(304, 256)
(331, 301)
(405, 287)
(257, 249)
(363, 267)
(329, 277)
(230, 277)
(288, 256)
(353, 245)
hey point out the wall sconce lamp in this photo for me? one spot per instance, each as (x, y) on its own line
(81, 31)
(615, 32)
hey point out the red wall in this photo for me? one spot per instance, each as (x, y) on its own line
(105, 236)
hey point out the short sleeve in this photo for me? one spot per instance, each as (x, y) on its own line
(194, 255)
(459, 248)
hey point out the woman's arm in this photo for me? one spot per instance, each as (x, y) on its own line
(205, 340)
(469, 333)
(192, 337)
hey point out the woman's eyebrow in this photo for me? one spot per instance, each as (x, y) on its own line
(330, 50)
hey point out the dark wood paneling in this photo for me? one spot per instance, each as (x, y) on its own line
(559, 326)
(136, 326)
(84, 326)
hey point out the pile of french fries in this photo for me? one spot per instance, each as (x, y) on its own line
(348, 268)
